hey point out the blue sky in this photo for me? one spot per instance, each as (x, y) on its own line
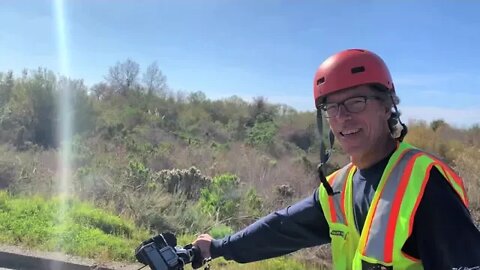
(267, 48)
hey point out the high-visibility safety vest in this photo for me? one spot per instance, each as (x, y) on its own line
(390, 216)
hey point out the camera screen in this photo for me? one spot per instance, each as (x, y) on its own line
(155, 258)
(169, 255)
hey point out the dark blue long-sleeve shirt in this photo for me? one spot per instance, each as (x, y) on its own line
(443, 235)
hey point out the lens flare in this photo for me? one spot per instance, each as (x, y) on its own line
(65, 110)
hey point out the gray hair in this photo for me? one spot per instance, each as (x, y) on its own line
(398, 130)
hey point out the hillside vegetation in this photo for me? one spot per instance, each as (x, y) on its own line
(168, 160)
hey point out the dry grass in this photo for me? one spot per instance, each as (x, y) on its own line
(253, 167)
(468, 166)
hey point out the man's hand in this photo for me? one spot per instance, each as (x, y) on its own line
(203, 242)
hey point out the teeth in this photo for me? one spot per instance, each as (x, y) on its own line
(349, 132)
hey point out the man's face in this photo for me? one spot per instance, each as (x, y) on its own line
(359, 133)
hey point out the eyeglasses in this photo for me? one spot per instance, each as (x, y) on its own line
(351, 105)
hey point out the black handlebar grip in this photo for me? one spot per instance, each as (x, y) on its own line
(197, 260)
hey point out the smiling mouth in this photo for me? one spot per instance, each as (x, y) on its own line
(349, 132)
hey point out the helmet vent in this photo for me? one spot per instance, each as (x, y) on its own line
(358, 69)
(321, 80)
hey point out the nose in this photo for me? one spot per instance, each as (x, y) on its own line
(342, 112)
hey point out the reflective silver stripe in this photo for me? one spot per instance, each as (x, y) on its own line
(378, 231)
(337, 186)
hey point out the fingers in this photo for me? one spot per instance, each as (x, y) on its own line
(204, 237)
(203, 242)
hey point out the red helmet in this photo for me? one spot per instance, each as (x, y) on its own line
(348, 69)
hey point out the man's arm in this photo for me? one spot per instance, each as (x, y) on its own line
(444, 235)
(298, 226)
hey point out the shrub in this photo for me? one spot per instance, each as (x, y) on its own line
(188, 182)
(220, 231)
(222, 198)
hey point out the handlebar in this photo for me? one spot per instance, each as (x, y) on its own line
(161, 253)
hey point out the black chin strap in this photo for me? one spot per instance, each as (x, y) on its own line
(324, 154)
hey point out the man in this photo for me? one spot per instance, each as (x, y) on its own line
(393, 207)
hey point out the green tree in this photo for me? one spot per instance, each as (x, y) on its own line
(31, 112)
(435, 124)
(262, 134)
(6, 87)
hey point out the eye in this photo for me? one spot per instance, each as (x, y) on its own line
(355, 100)
(329, 106)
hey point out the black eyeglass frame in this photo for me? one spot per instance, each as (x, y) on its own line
(324, 107)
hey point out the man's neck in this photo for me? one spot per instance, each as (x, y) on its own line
(373, 157)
